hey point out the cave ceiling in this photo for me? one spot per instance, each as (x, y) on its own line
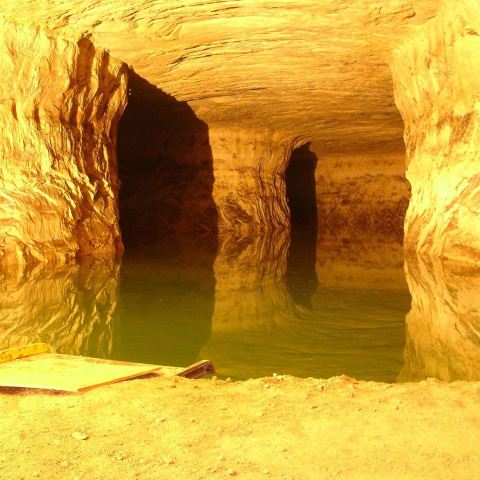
(317, 69)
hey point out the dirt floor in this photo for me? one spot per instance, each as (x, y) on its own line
(272, 428)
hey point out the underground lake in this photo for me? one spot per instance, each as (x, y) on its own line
(350, 312)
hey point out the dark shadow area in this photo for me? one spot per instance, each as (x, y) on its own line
(301, 194)
(165, 307)
(165, 166)
(168, 221)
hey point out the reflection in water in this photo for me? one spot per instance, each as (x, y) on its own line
(73, 309)
(238, 310)
(258, 329)
(166, 305)
(443, 326)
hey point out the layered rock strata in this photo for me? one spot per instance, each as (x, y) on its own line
(443, 325)
(437, 90)
(60, 104)
(249, 190)
(74, 309)
(362, 192)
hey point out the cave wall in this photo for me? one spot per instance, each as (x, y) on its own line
(60, 103)
(437, 89)
(249, 188)
(165, 166)
(361, 192)
(72, 308)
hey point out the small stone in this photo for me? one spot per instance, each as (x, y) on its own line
(314, 406)
(266, 472)
(232, 472)
(35, 474)
(80, 436)
(220, 458)
(228, 379)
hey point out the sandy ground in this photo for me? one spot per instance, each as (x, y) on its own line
(272, 428)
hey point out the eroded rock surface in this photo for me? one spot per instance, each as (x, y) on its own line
(437, 90)
(261, 79)
(264, 78)
(443, 325)
(60, 103)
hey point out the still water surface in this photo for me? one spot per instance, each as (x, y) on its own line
(254, 314)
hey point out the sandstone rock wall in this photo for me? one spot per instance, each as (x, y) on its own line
(362, 192)
(165, 167)
(249, 190)
(73, 308)
(60, 103)
(437, 90)
(443, 325)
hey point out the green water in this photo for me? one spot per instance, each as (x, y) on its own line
(249, 321)
(168, 316)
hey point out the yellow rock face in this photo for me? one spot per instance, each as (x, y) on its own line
(60, 103)
(235, 88)
(437, 90)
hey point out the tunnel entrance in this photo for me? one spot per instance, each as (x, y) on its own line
(301, 196)
(168, 221)
(165, 167)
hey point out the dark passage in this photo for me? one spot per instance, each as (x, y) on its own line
(169, 228)
(300, 180)
(166, 171)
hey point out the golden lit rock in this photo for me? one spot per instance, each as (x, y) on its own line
(437, 89)
(260, 82)
(443, 325)
(60, 103)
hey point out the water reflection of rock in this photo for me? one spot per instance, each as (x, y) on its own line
(443, 326)
(361, 280)
(166, 302)
(258, 328)
(72, 309)
(250, 291)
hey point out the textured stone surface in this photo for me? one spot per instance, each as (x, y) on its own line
(443, 325)
(260, 79)
(73, 309)
(314, 68)
(60, 103)
(264, 78)
(362, 192)
(437, 90)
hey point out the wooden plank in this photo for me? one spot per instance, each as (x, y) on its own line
(37, 366)
(20, 352)
(197, 370)
(69, 373)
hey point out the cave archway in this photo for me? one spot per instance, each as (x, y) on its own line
(168, 221)
(165, 166)
(301, 196)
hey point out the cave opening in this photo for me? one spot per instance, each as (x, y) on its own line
(300, 182)
(165, 167)
(168, 221)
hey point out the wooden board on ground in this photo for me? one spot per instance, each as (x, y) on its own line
(36, 366)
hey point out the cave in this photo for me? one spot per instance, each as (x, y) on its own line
(165, 168)
(288, 189)
(302, 202)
